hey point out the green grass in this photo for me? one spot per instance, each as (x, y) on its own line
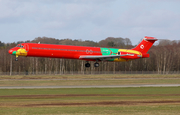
(141, 90)
(72, 80)
(101, 110)
(95, 76)
(139, 101)
(87, 82)
(18, 105)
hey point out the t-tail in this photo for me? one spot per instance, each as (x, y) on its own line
(145, 44)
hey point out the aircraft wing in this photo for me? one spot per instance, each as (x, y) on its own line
(102, 57)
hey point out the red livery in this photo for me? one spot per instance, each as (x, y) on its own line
(82, 52)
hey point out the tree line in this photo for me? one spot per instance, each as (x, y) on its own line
(164, 58)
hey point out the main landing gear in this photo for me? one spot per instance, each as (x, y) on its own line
(88, 64)
(96, 64)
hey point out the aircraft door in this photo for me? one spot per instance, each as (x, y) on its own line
(26, 47)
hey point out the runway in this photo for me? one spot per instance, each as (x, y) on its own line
(100, 86)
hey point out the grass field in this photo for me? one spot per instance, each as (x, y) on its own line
(100, 101)
(90, 76)
(90, 101)
(76, 80)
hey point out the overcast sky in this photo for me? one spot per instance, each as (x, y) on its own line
(22, 20)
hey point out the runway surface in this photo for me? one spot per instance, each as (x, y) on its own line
(101, 86)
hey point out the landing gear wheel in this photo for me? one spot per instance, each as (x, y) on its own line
(96, 64)
(16, 59)
(87, 64)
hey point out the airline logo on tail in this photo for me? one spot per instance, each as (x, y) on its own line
(142, 46)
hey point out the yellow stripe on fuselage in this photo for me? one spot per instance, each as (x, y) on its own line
(130, 51)
(127, 51)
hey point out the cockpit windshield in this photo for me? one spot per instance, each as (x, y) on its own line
(19, 45)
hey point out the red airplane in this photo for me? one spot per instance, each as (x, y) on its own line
(83, 53)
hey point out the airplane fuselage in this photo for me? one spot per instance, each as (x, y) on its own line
(83, 52)
(70, 52)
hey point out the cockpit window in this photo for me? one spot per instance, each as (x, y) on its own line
(19, 45)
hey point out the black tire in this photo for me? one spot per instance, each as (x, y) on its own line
(87, 65)
(96, 64)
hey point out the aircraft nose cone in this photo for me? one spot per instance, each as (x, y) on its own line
(10, 51)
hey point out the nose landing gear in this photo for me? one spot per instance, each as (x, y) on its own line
(16, 58)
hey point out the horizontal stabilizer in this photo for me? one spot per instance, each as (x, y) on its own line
(146, 38)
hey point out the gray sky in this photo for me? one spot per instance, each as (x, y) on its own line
(22, 20)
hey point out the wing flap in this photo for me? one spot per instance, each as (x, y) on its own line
(102, 58)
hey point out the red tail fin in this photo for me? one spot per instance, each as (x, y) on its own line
(145, 44)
